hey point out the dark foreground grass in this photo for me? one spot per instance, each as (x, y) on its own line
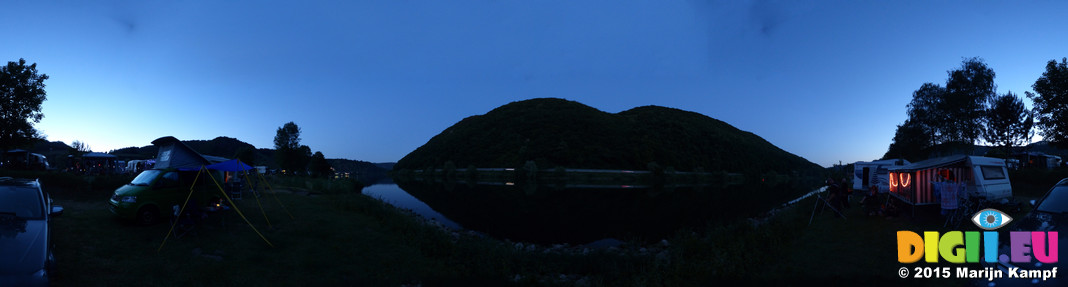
(325, 245)
(348, 239)
(333, 240)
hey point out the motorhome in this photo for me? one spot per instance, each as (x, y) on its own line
(867, 174)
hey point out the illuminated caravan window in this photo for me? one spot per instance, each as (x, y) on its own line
(992, 172)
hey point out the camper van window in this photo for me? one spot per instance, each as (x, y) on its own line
(169, 179)
(145, 178)
(993, 172)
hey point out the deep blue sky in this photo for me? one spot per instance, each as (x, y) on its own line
(373, 80)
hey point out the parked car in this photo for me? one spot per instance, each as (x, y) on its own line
(26, 257)
(153, 192)
(1050, 213)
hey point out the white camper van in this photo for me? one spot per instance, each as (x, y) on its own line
(874, 173)
(991, 178)
(983, 176)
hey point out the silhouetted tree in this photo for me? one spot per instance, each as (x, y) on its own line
(289, 153)
(910, 142)
(302, 157)
(967, 91)
(925, 111)
(318, 165)
(953, 114)
(1051, 102)
(1008, 122)
(21, 94)
(80, 147)
(287, 137)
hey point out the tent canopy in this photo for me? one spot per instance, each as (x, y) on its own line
(230, 165)
(930, 163)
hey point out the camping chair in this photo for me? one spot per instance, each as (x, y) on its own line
(235, 189)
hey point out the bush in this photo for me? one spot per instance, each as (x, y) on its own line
(318, 185)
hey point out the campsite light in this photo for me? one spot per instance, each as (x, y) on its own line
(906, 179)
(892, 182)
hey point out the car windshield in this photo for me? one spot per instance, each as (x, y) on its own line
(145, 178)
(21, 201)
(1056, 201)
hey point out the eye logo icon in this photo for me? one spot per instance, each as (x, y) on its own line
(990, 219)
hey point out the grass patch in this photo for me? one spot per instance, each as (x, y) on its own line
(316, 185)
(346, 238)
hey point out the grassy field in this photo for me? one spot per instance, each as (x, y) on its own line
(343, 238)
(336, 240)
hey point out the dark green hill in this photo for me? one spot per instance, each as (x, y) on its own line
(220, 146)
(556, 132)
(233, 148)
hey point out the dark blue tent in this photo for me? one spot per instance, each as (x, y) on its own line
(230, 165)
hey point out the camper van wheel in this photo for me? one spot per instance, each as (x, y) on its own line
(147, 215)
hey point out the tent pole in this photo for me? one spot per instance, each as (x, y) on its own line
(264, 180)
(221, 190)
(182, 210)
(259, 204)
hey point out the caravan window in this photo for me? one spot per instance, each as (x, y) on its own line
(992, 172)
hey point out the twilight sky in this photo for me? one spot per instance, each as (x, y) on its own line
(373, 80)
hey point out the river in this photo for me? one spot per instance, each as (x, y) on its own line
(580, 214)
(394, 195)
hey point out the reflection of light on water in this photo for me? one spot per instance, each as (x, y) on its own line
(509, 183)
(394, 195)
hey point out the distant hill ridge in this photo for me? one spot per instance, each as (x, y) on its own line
(557, 132)
(233, 148)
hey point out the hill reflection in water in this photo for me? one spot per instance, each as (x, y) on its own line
(579, 214)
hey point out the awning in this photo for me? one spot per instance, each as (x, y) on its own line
(930, 163)
(230, 165)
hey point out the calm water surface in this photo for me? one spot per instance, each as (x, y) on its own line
(393, 194)
(549, 214)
